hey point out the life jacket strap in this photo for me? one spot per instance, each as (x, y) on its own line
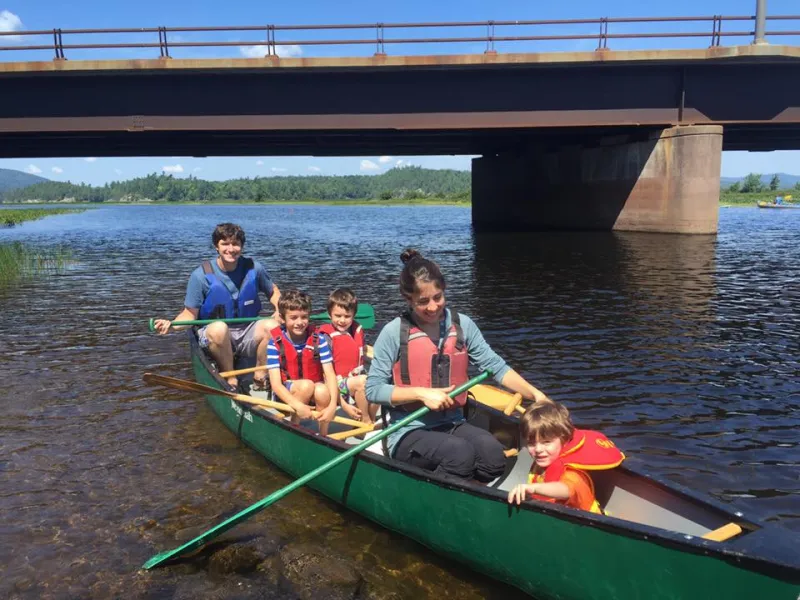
(405, 329)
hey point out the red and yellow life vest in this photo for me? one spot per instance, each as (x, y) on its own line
(294, 365)
(347, 348)
(587, 451)
(422, 364)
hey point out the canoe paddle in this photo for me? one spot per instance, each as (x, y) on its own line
(193, 386)
(365, 315)
(204, 538)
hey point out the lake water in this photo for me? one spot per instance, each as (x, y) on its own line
(683, 349)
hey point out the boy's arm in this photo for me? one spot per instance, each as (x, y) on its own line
(273, 299)
(333, 388)
(555, 490)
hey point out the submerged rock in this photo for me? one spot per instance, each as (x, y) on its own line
(312, 573)
(234, 559)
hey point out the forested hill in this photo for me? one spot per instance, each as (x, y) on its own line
(10, 179)
(402, 183)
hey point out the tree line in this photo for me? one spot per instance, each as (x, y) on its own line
(752, 184)
(410, 182)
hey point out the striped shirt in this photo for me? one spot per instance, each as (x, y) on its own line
(274, 356)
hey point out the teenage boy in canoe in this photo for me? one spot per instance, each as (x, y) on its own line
(561, 456)
(300, 364)
(224, 288)
(346, 339)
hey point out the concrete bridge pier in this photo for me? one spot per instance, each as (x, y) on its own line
(667, 182)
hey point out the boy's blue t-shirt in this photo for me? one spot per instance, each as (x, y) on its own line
(198, 286)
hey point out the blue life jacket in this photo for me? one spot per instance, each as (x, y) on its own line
(219, 302)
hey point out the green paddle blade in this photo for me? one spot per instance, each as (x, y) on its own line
(209, 535)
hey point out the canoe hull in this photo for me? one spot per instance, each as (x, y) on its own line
(533, 550)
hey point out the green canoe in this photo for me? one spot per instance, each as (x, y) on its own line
(649, 545)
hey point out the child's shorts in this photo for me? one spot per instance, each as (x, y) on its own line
(344, 392)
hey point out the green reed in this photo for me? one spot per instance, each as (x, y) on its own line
(15, 216)
(18, 262)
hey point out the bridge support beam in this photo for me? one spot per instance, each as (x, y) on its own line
(666, 183)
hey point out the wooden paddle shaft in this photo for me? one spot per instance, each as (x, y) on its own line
(191, 386)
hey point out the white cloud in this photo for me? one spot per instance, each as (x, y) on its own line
(9, 22)
(172, 168)
(368, 165)
(384, 159)
(278, 170)
(259, 162)
(90, 159)
(314, 169)
(57, 170)
(197, 169)
(399, 162)
(33, 169)
(290, 51)
(118, 171)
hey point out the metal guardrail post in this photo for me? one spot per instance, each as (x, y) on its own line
(380, 50)
(490, 38)
(602, 40)
(716, 29)
(163, 46)
(761, 18)
(271, 49)
(58, 45)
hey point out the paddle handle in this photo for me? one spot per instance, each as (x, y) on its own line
(202, 539)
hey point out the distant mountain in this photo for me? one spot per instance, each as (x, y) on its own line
(12, 180)
(787, 181)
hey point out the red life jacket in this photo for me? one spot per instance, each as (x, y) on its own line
(347, 348)
(304, 365)
(422, 364)
(587, 451)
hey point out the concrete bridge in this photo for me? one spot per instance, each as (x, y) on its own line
(606, 139)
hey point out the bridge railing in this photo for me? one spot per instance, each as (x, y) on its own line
(714, 29)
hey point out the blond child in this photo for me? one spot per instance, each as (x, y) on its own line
(561, 456)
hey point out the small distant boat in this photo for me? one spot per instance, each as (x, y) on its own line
(762, 204)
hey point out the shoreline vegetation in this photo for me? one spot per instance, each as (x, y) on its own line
(755, 188)
(400, 185)
(407, 185)
(12, 217)
(19, 262)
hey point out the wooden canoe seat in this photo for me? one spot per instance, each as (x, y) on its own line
(723, 533)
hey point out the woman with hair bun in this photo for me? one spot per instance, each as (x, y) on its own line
(420, 357)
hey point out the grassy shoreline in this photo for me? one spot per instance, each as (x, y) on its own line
(14, 216)
(361, 202)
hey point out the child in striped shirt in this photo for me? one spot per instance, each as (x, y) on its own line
(300, 364)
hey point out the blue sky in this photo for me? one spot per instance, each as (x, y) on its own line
(25, 15)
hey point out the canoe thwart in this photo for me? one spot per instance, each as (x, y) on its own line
(513, 404)
(723, 533)
(343, 435)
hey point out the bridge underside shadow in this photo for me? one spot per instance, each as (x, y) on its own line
(667, 183)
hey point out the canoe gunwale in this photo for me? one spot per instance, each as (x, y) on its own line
(738, 551)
